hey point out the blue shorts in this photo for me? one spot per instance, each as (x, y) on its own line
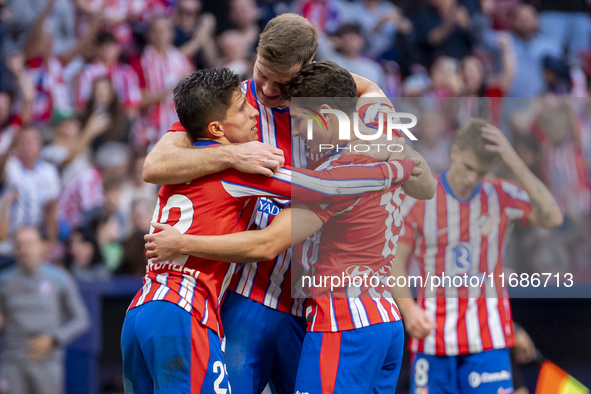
(478, 373)
(167, 350)
(364, 360)
(262, 345)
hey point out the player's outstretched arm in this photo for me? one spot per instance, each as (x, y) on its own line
(242, 247)
(545, 210)
(416, 321)
(173, 159)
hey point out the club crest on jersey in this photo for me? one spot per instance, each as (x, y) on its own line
(486, 224)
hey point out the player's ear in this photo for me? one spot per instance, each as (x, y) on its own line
(327, 117)
(215, 129)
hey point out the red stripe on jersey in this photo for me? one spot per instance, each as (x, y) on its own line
(330, 352)
(199, 355)
(440, 312)
(463, 291)
(485, 335)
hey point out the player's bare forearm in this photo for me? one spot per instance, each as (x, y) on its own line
(402, 294)
(173, 160)
(241, 247)
(545, 210)
(421, 187)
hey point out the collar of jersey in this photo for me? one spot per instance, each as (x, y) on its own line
(448, 189)
(203, 143)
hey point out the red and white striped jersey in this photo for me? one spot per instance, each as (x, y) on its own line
(212, 205)
(156, 74)
(358, 239)
(122, 76)
(218, 204)
(458, 237)
(51, 89)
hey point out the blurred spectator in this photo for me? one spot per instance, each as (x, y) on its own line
(557, 76)
(244, 16)
(379, 21)
(194, 33)
(322, 13)
(446, 80)
(38, 186)
(105, 104)
(566, 23)
(118, 16)
(84, 258)
(234, 51)
(107, 65)
(41, 313)
(46, 70)
(443, 29)
(24, 19)
(82, 184)
(136, 191)
(25, 93)
(345, 50)
(433, 142)
(530, 49)
(160, 68)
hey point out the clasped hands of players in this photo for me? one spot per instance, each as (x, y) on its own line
(258, 158)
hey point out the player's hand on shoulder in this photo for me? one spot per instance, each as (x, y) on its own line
(257, 158)
(164, 245)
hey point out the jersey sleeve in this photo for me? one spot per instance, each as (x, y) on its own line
(343, 182)
(515, 201)
(412, 212)
(333, 185)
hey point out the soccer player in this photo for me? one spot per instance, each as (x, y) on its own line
(173, 326)
(459, 334)
(354, 343)
(264, 325)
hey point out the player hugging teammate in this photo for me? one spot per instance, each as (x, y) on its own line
(172, 337)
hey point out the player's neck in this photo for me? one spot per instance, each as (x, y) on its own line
(455, 185)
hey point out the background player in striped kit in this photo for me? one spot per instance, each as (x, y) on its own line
(460, 333)
(358, 352)
(264, 325)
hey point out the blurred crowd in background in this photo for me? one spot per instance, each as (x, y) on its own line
(86, 89)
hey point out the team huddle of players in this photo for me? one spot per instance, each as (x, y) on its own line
(248, 201)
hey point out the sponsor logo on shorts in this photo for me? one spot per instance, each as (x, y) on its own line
(508, 390)
(475, 379)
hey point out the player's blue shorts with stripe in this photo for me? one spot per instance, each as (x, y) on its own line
(262, 345)
(478, 373)
(364, 360)
(167, 350)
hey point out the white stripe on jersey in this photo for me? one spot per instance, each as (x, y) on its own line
(494, 320)
(359, 313)
(399, 170)
(226, 282)
(430, 234)
(333, 319)
(187, 291)
(375, 296)
(471, 317)
(163, 289)
(236, 190)
(298, 152)
(277, 276)
(145, 290)
(450, 336)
